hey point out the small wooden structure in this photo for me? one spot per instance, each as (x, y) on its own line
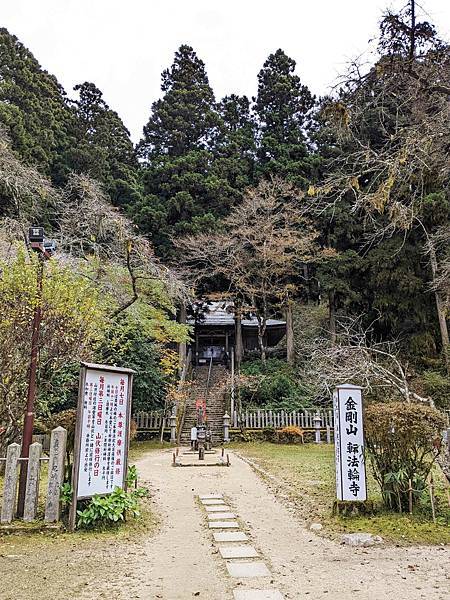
(216, 332)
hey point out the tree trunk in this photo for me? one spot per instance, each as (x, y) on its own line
(182, 345)
(239, 350)
(262, 326)
(307, 280)
(262, 347)
(332, 316)
(290, 348)
(440, 308)
(412, 33)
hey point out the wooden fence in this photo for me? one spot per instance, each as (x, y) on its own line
(56, 463)
(261, 419)
(150, 420)
(258, 419)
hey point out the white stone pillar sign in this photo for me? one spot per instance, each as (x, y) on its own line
(349, 443)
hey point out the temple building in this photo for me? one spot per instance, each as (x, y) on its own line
(216, 333)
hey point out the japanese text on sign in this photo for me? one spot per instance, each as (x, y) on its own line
(104, 433)
(349, 444)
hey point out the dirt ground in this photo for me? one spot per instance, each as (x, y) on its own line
(179, 561)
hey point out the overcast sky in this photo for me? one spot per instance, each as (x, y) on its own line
(123, 46)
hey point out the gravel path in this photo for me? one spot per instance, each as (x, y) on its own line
(181, 561)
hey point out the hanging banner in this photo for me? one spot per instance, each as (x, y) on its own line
(102, 430)
(349, 443)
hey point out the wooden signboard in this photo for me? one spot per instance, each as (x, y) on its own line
(102, 432)
(349, 443)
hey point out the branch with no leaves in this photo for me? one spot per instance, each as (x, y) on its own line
(359, 360)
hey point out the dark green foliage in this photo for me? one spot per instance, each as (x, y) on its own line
(110, 157)
(59, 391)
(35, 111)
(235, 146)
(184, 119)
(403, 441)
(282, 107)
(128, 346)
(437, 386)
(198, 156)
(177, 149)
(273, 386)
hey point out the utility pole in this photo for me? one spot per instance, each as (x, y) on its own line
(36, 239)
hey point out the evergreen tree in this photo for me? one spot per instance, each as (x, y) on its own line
(109, 155)
(35, 111)
(186, 191)
(282, 107)
(235, 147)
(184, 119)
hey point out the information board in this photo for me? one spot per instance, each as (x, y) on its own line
(349, 443)
(102, 430)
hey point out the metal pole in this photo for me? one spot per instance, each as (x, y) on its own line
(28, 423)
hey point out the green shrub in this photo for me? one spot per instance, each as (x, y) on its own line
(437, 386)
(274, 386)
(403, 440)
(103, 510)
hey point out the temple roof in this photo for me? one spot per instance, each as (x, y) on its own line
(221, 313)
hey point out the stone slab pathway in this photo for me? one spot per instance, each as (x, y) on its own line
(257, 595)
(230, 536)
(224, 525)
(238, 551)
(248, 569)
(221, 515)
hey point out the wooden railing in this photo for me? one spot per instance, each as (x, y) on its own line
(150, 420)
(260, 419)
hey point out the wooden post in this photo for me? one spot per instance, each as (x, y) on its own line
(290, 349)
(239, 346)
(410, 496)
(55, 473)
(182, 345)
(10, 483)
(33, 477)
(433, 510)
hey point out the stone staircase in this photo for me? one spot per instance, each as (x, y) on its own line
(215, 402)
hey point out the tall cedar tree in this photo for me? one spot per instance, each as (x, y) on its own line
(193, 173)
(112, 158)
(282, 107)
(35, 111)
